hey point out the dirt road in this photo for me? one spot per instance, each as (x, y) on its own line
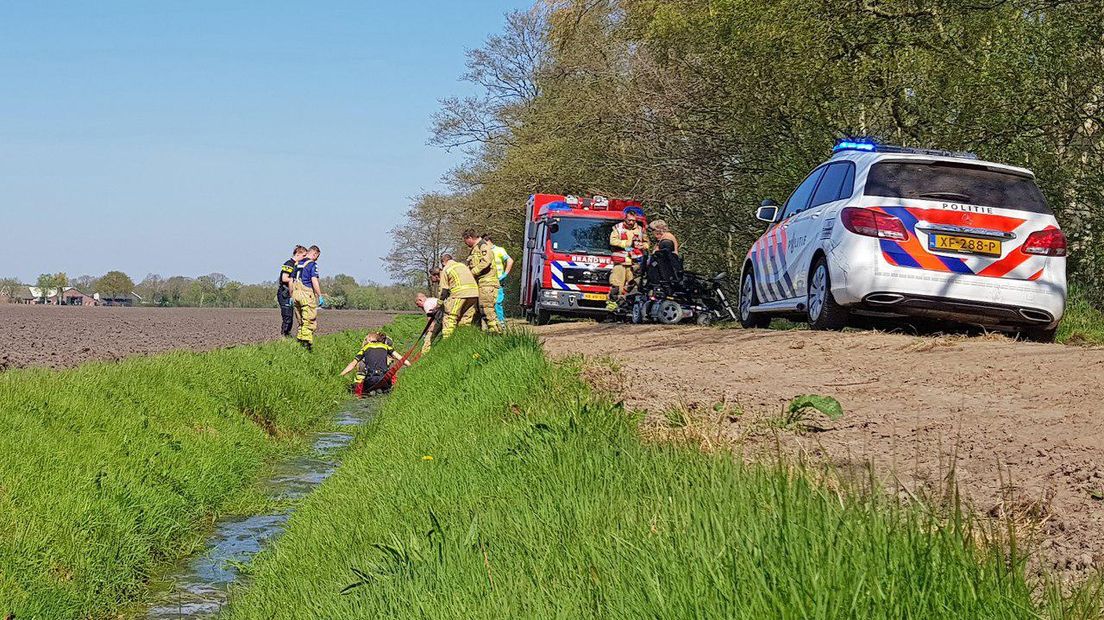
(60, 337)
(916, 406)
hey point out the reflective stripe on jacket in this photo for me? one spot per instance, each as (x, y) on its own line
(458, 279)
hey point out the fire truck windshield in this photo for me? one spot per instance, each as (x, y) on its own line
(582, 235)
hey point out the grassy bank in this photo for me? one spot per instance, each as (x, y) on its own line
(1083, 323)
(493, 486)
(108, 469)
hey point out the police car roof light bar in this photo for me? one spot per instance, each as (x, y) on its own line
(869, 146)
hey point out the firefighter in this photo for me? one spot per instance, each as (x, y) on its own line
(372, 363)
(306, 293)
(283, 290)
(463, 294)
(628, 237)
(481, 262)
(503, 264)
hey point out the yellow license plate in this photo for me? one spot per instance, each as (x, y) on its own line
(964, 245)
(595, 296)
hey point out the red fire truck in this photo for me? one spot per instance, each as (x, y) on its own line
(568, 258)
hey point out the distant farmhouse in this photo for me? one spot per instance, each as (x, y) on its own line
(70, 296)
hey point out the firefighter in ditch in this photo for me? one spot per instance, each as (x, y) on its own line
(306, 293)
(629, 239)
(463, 294)
(481, 261)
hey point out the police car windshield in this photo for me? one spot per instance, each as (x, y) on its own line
(954, 182)
(582, 235)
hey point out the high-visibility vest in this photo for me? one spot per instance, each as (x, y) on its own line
(459, 281)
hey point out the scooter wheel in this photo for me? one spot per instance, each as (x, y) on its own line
(669, 312)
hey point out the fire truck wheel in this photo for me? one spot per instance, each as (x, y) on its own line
(541, 316)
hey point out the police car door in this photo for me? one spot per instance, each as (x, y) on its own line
(802, 234)
(779, 281)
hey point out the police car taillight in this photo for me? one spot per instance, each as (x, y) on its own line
(873, 224)
(1049, 242)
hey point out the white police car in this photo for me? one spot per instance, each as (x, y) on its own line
(885, 230)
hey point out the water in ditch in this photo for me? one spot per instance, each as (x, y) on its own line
(199, 586)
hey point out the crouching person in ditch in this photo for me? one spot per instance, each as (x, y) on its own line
(372, 364)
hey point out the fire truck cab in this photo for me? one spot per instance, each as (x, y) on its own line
(568, 258)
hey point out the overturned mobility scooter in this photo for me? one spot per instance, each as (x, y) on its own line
(668, 294)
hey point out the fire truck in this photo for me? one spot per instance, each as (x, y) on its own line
(568, 258)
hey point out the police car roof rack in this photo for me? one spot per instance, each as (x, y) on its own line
(869, 146)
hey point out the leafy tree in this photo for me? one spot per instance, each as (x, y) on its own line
(9, 288)
(51, 284)
(175, 289)
(114, 284)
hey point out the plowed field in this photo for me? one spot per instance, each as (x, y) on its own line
(60, 337)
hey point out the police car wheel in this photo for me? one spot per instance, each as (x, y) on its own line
(748, 299)
(1039, 334)
(822, 311)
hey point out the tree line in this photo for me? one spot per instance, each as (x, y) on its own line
(219, 291)
(702, 108)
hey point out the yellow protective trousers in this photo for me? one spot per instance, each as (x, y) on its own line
(305, 304)
(488, 296)
(458, 311)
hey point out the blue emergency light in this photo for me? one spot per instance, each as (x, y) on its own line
(855, 145)
(868, 145)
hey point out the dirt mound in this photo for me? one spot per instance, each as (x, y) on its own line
(60, 337)
(1017, 424)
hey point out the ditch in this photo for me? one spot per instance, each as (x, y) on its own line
(201, 584)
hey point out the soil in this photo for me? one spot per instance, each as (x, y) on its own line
(1019, 426)
(65, 336)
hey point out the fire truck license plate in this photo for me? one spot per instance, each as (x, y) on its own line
(964, 245)
(595, 296)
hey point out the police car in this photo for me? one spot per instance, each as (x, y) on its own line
(892, 231)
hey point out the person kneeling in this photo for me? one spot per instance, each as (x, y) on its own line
(373, 364)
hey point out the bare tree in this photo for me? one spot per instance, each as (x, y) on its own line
(431, 228)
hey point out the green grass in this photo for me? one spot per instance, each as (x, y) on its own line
(108, 470)
(1083, 323)
(493, 486)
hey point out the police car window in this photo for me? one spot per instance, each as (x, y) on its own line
(954, 182)
(800, 198)
(831, 184)
(847, 190)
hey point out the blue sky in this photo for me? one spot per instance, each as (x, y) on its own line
(187, 137)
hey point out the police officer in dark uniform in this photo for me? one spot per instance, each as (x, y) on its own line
(283, 293)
